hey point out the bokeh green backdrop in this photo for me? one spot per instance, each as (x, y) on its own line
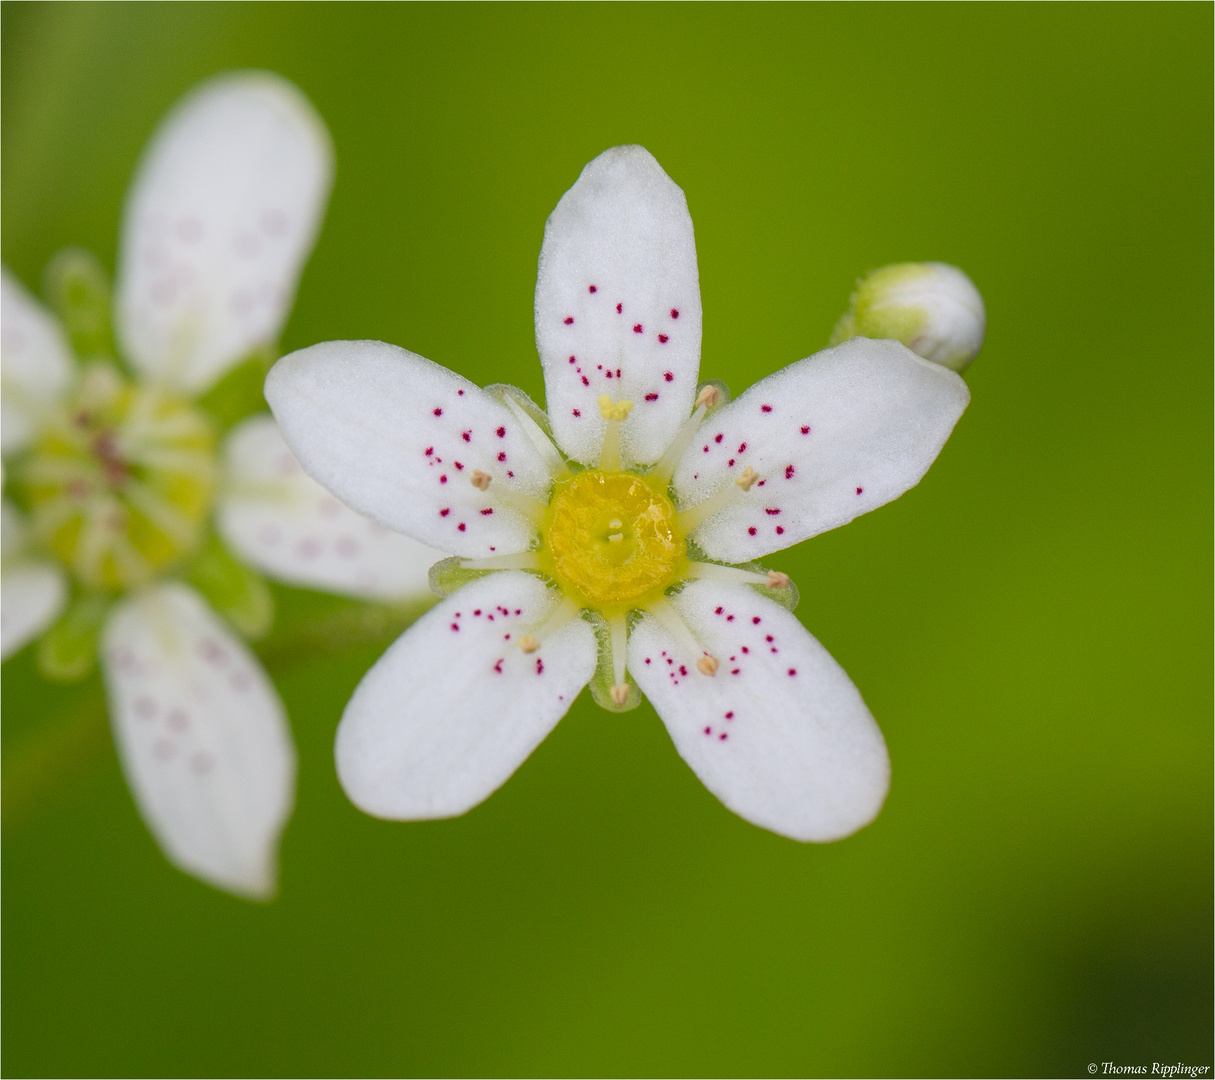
(1031, 625)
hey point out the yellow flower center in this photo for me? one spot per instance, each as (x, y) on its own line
(121, 480)
(611, 541)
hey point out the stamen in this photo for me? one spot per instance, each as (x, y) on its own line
(670, 620)
(719, 500)
(480, 480)
(613, 412)
(619, 631)
(523, 560)
(749, 476)
(665, 469)
(777, 580)
(564, 612)
(716, 572)
(553, 460)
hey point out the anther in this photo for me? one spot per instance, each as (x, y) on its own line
(777, 580)
(614, 410)
(528, 643)
(480, 480)
(709, 396)
(749, 476)
(620, 693)
(707, 665)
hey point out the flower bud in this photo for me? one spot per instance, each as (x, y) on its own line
(932, 308)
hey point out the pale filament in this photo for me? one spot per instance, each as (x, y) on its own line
(551, 456)
(613, 412)
(669, 619)
(618, 629)
(665, 469)
(523, 560)
(562, 614)
(773, 578)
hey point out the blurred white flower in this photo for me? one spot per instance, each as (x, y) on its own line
(121, 475)
(607, 526)
(932, 308)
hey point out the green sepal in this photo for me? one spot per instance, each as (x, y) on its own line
(605, 672)
(68, 650)
(79, 291)
(238, 593)
(447, 575)
(239, 393)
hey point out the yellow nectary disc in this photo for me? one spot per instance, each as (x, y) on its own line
(611, 540)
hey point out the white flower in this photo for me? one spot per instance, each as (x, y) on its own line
(120, 476)
(608, 523)
(932, 308)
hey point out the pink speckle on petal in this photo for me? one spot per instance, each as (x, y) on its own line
(752, 531)
(592, 288)
(651, 397)
(780, 530)
(501, 433)
(569, 319)
(443, 479)
(669, 376)
(462, 527)
(755, 620)
(637, 328)
(502, 456)
(445, 511)
(718, 437)
(765, 408)
(805, 430)
(487, 510)
(438, 412)
(789, 471)
(793, 671)
(577, 412)
(466, 436)
(619, 309)
(859, 490)
(674, 313)
(663, 339)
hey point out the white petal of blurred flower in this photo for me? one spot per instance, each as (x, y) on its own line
(121, 474)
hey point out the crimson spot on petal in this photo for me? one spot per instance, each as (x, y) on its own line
(569, 319)
(651, 397)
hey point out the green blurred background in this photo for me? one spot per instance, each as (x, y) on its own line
(1031, 625)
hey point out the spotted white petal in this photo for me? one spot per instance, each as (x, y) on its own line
(35, 363)
(402, 440)
(455, 706)
(779, 734)
(830, 437)
(223, 213)
(282, 521)
(618, 306)
(202, 736)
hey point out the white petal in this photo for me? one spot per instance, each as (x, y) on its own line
(223, 213)
(202, 736)
(779, 734)
(282, 521)
(618, 306)
(32, 593)
(831, 437)
(35, 363)
(454, 707)
(399, 438)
